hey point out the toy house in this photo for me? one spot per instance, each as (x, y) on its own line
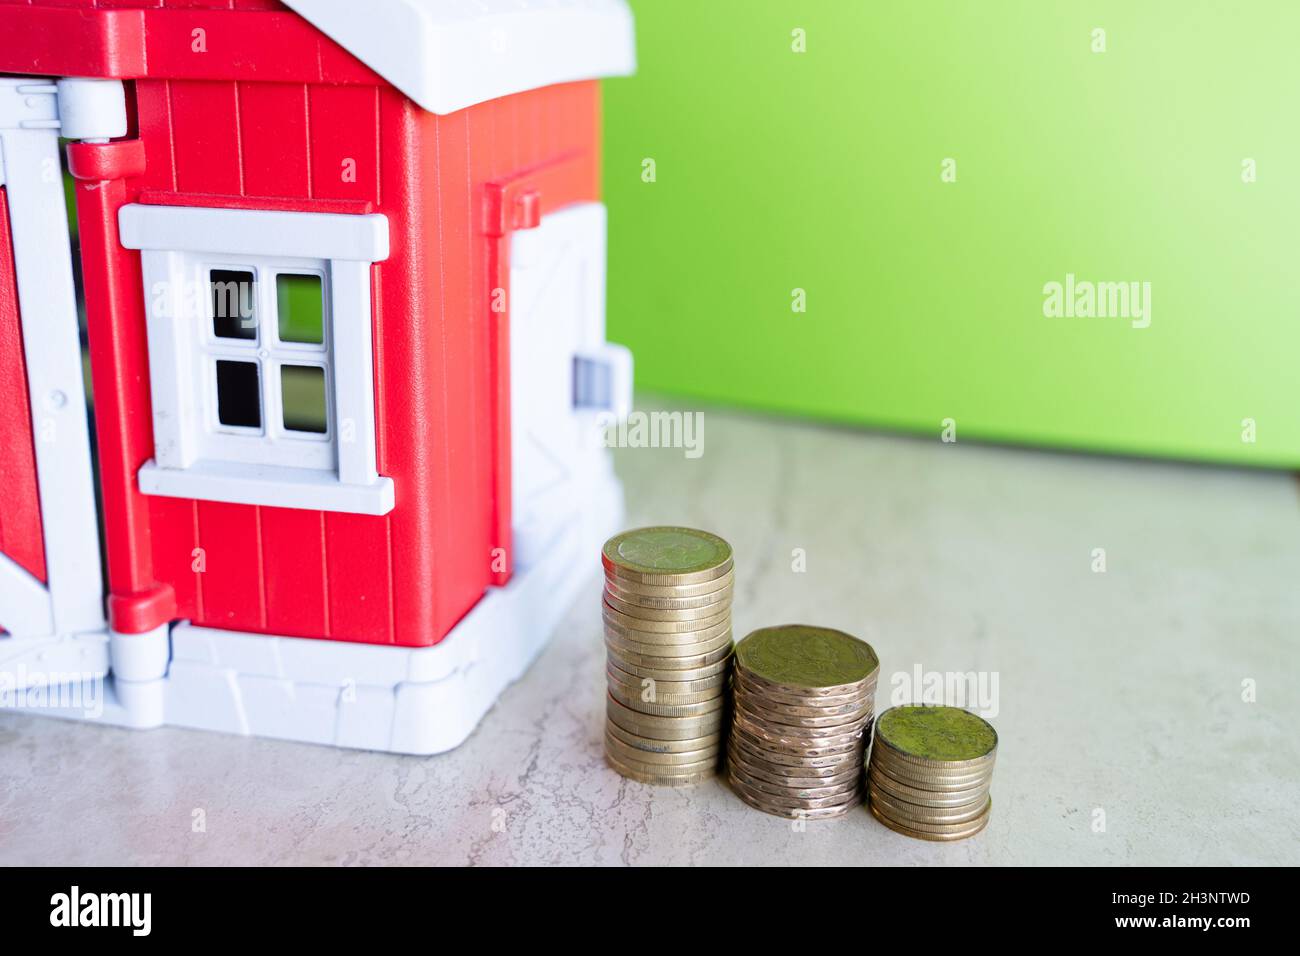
(343, 274)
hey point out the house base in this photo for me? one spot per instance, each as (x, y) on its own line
(374, 697)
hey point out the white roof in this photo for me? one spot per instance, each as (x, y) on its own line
(449, 54)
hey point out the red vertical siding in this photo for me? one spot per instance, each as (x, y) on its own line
(173, 544)
(230, 537)
(344, 142)
(297, 598)
(153, 106)
(412, 387)
(273, 139)
(458, 497)
(205, 137)
(21, 534)
(359, 565)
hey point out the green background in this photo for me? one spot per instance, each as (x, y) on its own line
(778, 170)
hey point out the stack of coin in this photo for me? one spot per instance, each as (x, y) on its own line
(804, 698)
(667, 612)
(930, 772)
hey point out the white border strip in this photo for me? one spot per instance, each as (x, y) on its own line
(269, 485)
(255, 232)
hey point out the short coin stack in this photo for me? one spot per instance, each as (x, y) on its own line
(667, 612)
(804, 698)
(930, 772)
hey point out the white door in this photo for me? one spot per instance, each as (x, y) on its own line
(70, 601)
(563, 374)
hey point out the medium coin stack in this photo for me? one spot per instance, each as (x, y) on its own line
(930, 772)
(667, 612)
(804, 698)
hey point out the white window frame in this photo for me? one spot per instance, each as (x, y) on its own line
(195, 456)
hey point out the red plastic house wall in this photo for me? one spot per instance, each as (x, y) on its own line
(269, 116)
(21, 537)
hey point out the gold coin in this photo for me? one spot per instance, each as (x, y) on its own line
(931, 785)
(783, 791)
(852, 775)
(760, 709)
(670, 662)
(665, 651)
(948, 736)
(686, 745)
(708, 765)
(778, 753)
(664, 709)
(925, 798)
(652, 648)
(654, 694)
(634, 756)
(983, 764)
(666, 686)
(824, 813)
(793, 752)
(781, 730)
(812, 695)
(662, 728)
(780, 765)
(811, 767)
(765, 773)
(800, 659)
(716, 600)
(683, 665)
(937, 767)
(975, 828)
(925, 779)
(914, 814)
(717, 683)
(793, 803)
(937, 832)
(633, 635)
(907, 819)
(628, 758)
(696, 616)
(667, 555)
(670, 590)
(797, 713)
(721, 670)
(664, 622)
(659, 779)
(791, 736)
(777, 697)
(803, 751)
(802, 785)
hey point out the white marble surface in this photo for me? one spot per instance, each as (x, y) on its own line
(1119, 691)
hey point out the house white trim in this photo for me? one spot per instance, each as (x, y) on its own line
(25, 601)
(29, 148)
(255, 232)
(412, 700)
(450, 54)
(197, 455)
(272, 485)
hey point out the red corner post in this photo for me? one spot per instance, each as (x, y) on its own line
(119, 372)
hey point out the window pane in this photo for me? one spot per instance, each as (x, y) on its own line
(302, 390)
(239, 400)
(301, 308)
(234, 298)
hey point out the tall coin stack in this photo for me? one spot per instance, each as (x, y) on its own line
(804, 698)
(930, 772)
(667, 613)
